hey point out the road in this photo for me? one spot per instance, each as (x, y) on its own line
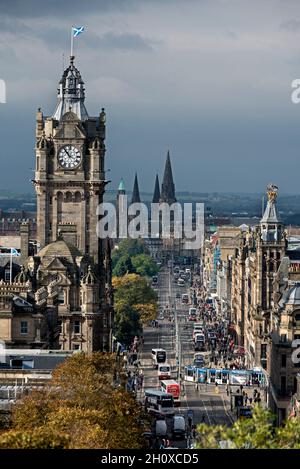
(176, 338)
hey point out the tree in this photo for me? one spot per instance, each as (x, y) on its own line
(257, 432)
(144, 265)
(83, 407)
(123, 266)
(128, 247)
(135, 303)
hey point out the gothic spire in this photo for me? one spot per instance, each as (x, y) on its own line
(168, 188)
(156, 194)
(135, 193)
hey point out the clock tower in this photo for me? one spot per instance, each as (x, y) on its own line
(69, 176)
(71, 272)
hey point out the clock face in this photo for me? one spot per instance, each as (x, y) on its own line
(69, 157)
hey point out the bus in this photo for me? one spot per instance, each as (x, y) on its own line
(159, 356)
(159, 402)
(184, 298)
(170, 386)
(192, 314)
(164, 371)
(154, 280)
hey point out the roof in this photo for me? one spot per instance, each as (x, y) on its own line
(121, 186)
(270, 215)
(292, 296)
(59, 248)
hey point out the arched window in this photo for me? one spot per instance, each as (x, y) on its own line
(68, 197)
(77, 197)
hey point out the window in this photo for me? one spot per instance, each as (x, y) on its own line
(283, 338)
(59, 324)
(283, 360)
(7, 275)
(283, 385)
(76, 327)
(263, 350)
(76, 346)
(61, 298)
(24, 327)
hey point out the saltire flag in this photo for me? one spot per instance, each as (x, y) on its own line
(77, 31)
(14, 252)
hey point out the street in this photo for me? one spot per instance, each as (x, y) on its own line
(174, 334)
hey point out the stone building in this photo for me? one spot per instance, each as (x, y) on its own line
(67, 283)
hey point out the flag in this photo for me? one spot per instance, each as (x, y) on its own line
(77, 31)
(14, 252)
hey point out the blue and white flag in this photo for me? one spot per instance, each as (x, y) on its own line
(77, 31)
(14, 252)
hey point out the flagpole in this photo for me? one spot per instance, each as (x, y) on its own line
(72, 42)
(10, 267)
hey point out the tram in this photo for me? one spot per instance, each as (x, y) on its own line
(224, 376)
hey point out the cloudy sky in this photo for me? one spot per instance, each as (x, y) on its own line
(210, 80)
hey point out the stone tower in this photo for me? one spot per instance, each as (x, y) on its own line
(69, 177)
(168, 188)
(69, 273)
(156, 193)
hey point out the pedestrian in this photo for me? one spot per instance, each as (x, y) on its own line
(203, 420)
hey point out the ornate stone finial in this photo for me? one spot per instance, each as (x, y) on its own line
(102, 116)
(89, 278)
(272, 191)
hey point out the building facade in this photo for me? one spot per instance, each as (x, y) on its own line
(67, 282)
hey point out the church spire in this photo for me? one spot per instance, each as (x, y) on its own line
(168, 188)
(121, 188)
(71, 94)
(135, 193)
(156, 194)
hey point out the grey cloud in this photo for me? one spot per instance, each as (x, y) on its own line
(71, 8)
(125, 41)
(291, 25)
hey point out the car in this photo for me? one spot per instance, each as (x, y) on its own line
(178, 296)
(178, 426)
(161, 428)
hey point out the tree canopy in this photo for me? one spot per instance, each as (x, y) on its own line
(81, 408)
(135, 303)
(257, 432)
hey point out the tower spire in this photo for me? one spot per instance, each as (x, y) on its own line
(168, 188)
(271, 228)
(135, 193)
(156, 193)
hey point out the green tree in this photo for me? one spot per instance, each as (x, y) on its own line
(123, 266)
(128, 247)
(144, 265)
(257, 432)
(135, 303)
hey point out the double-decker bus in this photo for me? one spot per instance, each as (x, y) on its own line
(171, 387)
(159, 402)
(159, 356)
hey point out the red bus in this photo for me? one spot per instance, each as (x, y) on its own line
(172, 387)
